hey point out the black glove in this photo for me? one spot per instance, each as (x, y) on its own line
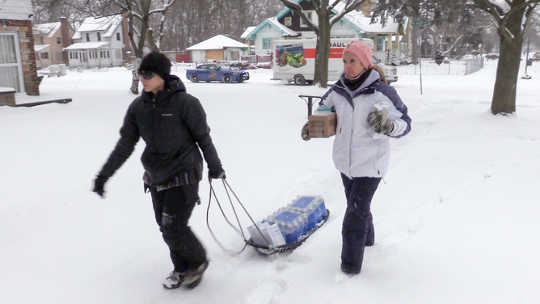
(379, 122)
(216, 173)
(99, 185)
(305, 132)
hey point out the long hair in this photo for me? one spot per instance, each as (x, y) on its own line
(380, 70)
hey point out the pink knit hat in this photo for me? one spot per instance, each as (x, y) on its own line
(362, 51)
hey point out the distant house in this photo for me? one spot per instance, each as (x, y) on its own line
(99, 42)
(218, 48)
(17, 56)
(356, 24)
(50, 40)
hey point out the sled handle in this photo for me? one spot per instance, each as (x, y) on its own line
(309, 102)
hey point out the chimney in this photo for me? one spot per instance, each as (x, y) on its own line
(125, 35)
(66, 37)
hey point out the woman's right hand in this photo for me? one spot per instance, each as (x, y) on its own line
(305, 132)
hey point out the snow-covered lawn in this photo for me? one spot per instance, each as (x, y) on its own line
(456, 218)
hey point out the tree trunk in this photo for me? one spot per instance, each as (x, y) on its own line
(323, 49)
(511, 36)
(504, 93)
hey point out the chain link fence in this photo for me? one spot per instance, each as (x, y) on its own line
(464, 66)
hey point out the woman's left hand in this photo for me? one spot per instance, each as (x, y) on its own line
(379, 122)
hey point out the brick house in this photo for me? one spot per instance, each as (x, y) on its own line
(50, 40)
(17, 56)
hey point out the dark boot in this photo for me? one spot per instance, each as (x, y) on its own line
(193, 277)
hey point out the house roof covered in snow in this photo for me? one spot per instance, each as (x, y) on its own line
(16, 9)
(364, 23)
(218, 42)
(40, 47)
(107, 24)
(48, 29)
(87, 45)
(247, 32)
(274, 23)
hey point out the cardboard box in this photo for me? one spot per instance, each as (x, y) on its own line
(322, 126)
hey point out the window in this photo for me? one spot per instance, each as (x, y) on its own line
(287, 21)
(312, 16)
(44, 55)
(266, 43)
(118, 36)
(98, 36)
(76, 55)
(58, 40)
(87, 37)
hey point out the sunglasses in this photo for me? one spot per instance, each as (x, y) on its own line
(147, 75)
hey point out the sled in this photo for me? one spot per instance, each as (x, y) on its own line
(287, 248)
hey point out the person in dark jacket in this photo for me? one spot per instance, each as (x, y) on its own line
(173, 125)
(369, 113)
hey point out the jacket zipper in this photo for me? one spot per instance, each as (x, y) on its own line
(350, 143)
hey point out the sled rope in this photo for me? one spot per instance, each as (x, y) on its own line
(238, 229)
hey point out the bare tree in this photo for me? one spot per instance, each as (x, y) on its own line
(512, 18)
(326, 19)
(140, 32)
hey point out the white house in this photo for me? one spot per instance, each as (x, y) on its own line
(218, 48)
(98, 42)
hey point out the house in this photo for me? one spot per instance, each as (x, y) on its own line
(357, 24)
(99, 42)
(17, 56)
(50, 40)
(218, 48)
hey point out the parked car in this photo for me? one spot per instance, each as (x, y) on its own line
(492, 56)
(214, 72)
(536, 56)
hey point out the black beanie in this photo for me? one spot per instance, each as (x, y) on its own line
(156, 62)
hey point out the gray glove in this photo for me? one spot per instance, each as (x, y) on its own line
(379, 122)
(305, 132)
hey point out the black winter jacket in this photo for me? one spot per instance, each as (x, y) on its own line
(172, 123)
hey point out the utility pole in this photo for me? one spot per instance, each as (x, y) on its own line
(419, 24)
(527, 76)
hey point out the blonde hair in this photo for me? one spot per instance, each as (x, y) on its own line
(380, 70)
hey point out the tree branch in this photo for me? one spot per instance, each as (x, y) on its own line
(349, 7)
(298, 9)
(162, 10)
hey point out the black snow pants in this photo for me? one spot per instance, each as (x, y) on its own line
(357, 230)
(172, 208)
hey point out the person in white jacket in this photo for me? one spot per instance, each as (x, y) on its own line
(369, 112)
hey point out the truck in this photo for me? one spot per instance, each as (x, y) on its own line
(294, 60)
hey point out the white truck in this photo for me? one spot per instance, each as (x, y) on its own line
(294, 60)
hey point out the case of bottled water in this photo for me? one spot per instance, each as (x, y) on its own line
(294, 220)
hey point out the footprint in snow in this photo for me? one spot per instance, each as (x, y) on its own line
(266, 292)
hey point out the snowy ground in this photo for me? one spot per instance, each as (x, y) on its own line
(456, 219)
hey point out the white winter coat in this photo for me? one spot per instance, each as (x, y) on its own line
(358, 151)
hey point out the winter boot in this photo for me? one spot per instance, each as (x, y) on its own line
(174, 280)
(192, 278)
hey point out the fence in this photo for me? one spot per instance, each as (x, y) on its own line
(448, 67)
